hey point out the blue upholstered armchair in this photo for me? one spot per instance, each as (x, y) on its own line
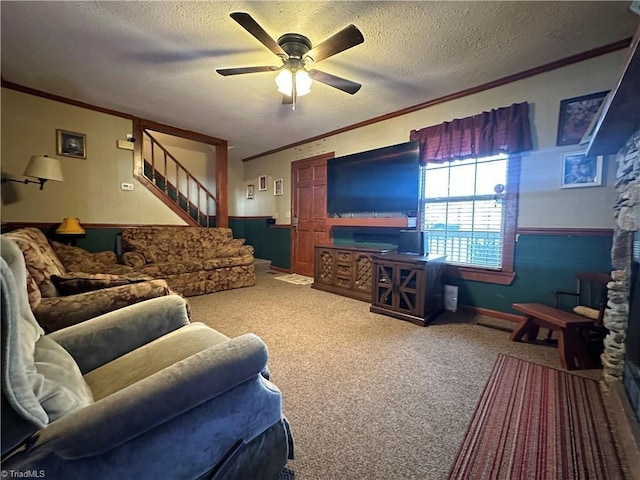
(136, 393)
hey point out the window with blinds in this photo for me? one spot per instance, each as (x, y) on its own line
(463, 211)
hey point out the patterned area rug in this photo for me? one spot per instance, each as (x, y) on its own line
(296, 279)
(538, 422)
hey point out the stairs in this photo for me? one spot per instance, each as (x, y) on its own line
(172, 183)
(261, 265)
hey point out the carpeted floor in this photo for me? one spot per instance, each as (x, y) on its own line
(538, 422)
(368, 396)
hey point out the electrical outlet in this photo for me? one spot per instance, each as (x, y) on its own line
(127, 187)
(287, 214)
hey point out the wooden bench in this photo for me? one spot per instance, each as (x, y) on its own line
(571, 347)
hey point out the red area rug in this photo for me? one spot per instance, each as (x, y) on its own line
(535, 422)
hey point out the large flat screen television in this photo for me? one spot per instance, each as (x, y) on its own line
(381, 181)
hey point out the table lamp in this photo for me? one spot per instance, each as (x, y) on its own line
(70, 229)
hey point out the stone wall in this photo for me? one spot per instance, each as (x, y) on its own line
(627, 221)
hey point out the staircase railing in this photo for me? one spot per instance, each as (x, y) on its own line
(180, 187)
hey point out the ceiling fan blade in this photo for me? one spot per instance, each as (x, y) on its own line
(189, 55)
(287, 99)
(335, 82)
(247, 22)
(346, 38)
(239, 71)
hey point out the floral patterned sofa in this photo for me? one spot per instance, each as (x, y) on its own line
(68, 285)
(193, 260)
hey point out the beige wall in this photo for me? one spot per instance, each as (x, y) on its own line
(542, 202)
(91, 188)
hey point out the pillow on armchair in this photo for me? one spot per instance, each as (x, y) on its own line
(40, 379)
(72, 283)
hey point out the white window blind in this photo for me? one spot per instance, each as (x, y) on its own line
(462, 212)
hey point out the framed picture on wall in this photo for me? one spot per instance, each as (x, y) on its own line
(71, 144)
(278, 187)
(580, 170)
(262, 183)
(576, 115)
(250, 191)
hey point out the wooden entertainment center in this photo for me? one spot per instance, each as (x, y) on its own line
(344, 270)
(408, 287)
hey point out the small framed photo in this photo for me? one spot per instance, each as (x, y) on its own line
(71, 144)
(576, 114)
(250, 191)
(278, 187)
(580, 170)
(262, 183)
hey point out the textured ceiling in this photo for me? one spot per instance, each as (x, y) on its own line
(157, 60)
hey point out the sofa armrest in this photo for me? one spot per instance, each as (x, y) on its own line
(134, 259)
(55, 313)
(157, 399)
(107, 337)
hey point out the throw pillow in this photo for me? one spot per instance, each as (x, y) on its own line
(63, 388)
(79, 260)
(588, 312)
(77, 282)
(41, 381)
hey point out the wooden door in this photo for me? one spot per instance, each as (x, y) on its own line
(309, 211)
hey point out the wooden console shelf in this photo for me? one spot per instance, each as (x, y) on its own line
(344, 270)
(408, 287)
(369, 222)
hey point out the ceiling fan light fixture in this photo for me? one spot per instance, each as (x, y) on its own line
(284, 82)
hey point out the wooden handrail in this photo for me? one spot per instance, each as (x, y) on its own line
(168, 153)
(200, 188)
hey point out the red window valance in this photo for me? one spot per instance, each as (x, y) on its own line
(501, 130)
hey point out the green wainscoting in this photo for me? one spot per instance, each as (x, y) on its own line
(96, 239)
(543, 263)
(270, 242)
(99, 239)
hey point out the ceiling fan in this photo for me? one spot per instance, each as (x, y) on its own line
(296, 52)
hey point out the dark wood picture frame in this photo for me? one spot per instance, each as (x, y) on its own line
(576, 115)
(71, 144)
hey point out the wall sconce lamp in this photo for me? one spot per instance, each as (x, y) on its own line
(41, 167)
